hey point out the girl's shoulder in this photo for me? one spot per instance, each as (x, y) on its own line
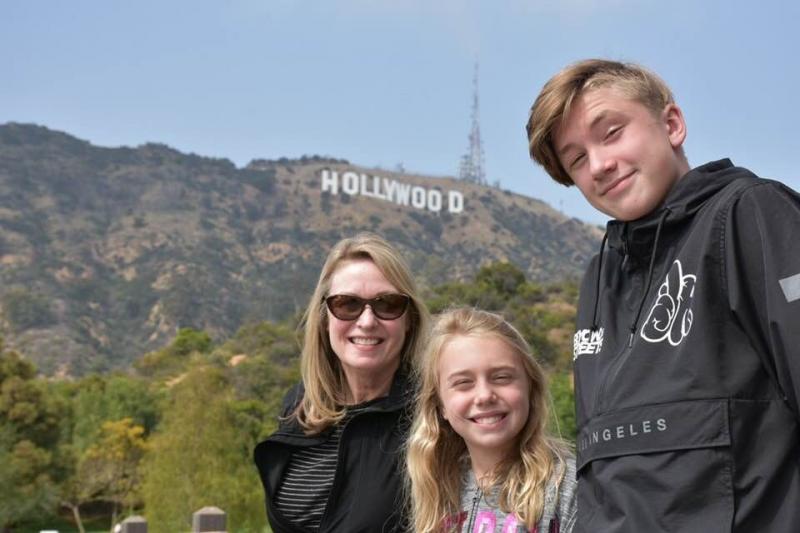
(562, 491)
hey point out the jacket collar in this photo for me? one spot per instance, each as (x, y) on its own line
(400, 395)
(634, 239)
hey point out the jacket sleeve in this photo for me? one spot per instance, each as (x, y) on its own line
(568, 499)
(762, 274)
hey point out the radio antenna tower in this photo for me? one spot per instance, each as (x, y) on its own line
(471, 167)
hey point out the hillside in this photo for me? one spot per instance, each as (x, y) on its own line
(105, 252)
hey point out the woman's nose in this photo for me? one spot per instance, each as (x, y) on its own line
(367, 317)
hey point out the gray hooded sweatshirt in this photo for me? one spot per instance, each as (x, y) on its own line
(480, 513)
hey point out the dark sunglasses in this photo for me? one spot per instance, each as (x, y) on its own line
(385, 306)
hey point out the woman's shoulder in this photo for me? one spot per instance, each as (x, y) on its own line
(292, 397)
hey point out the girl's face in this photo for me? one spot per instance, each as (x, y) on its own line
(485, 395)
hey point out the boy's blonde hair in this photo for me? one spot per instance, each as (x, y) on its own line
(326, 389)
(553, 104)
(434, 448)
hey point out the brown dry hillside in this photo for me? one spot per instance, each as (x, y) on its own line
(104, 252)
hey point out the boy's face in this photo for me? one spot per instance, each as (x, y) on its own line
(623, 157)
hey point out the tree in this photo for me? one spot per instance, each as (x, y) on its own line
(25, 485)
(563, 395)
(98, 399)
(175, 357)
(105, 409)
(503, 278)
(109, 469)
(200, 456)
(28, 433)
(24, 309)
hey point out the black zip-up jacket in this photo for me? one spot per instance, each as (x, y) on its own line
(367, 489)
(687, 363)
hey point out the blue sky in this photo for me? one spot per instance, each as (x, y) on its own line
(384, 82)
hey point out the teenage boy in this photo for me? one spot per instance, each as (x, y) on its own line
(687, 350)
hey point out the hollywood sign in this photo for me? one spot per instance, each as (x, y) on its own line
(390, 190)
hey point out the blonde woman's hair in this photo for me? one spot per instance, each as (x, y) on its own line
(553, 104)
(434, 448)
(326, 389)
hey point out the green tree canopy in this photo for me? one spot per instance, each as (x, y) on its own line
(29, 430)
(175, 357)
(200, 456)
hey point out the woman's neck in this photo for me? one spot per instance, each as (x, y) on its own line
(366, 386)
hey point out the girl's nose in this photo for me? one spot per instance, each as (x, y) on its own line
(484, 393)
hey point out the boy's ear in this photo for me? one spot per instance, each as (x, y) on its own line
(672, 116)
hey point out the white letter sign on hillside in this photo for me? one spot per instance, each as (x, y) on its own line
(390, 190)
(350, 183)
(330, 183)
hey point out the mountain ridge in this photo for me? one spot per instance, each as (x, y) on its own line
(106, 252)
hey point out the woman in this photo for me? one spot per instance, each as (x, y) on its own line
(335, 462)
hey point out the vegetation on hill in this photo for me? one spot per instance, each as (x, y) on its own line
(105, 253)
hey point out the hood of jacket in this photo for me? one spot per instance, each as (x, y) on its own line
(640, 239)
(635, 239)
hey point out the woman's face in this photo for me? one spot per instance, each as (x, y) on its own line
(367, 345)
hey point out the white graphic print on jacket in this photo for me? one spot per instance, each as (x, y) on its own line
(670, 318)
(587, 342)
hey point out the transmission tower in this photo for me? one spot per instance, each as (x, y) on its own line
(471, 167)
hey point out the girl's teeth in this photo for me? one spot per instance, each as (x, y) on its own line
(488, 419)
(359, 340)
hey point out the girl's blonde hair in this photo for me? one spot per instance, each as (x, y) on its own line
(326, 388)
(434, 448)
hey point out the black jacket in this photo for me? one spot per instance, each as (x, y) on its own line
(367, 489)
(687, 363)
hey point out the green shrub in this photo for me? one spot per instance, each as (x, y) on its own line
(24, 310)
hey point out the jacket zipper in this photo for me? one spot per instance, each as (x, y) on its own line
(337, 476)
(475, 500)
(613, 368)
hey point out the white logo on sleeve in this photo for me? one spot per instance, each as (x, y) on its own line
(587, 342)
(671, 317)
(791, 287)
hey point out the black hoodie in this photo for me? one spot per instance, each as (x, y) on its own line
(687, 363)
(367, 489)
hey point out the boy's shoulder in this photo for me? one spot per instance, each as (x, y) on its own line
(717, 186)
(747, 193)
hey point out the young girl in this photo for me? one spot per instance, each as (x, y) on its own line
(479, 457)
